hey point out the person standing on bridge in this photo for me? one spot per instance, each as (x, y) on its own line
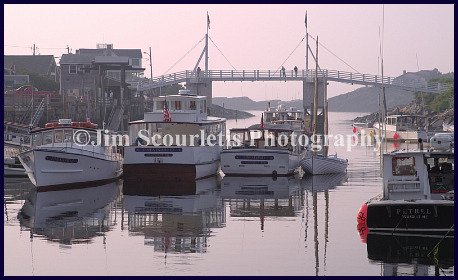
(198, 71)
(295, 70)
(283, 72)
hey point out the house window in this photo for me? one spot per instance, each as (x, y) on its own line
(72, 69)
(136, 62)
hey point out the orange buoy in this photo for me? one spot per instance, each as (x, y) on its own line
(395, 136)
(361, 217)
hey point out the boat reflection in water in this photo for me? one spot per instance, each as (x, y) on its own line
(174, 217)
(70, 216)
(412, 254)
(317, 184)
(262, 196)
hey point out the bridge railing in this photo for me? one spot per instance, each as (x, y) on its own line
(263, 75)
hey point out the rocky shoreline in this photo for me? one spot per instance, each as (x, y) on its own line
(434, 119)
(220, 112)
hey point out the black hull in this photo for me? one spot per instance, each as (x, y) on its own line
(411, 217)
(411, 248)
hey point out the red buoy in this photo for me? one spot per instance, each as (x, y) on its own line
(395, 136)
(363, 231)
(354, 129)
(361, 217)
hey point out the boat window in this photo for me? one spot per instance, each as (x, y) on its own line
(58, 135)
(177, 105)
(47, 137)
(68, 135)
(192, 105)
(160, 105)
(93, 139)
(37, 139)
(441, 174)
(403, 166)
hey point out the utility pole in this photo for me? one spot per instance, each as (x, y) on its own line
(150, 64)
(68, 49)
(34, 49)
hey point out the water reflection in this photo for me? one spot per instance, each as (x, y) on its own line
(412, 254)
(69, 216)
(316, 185)
(262, 196)
(174, 217)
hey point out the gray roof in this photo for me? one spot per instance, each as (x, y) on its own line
(37, 64)
(76, 59)
(131, 53)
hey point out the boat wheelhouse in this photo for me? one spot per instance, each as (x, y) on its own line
(280, 115)
(177, 139)
(68, 154)
(269, 150)
(402, 128)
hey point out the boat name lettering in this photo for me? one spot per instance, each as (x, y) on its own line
(413, 211)
(58, 159)
(255, 157)
(164, 150)
(254, 162)
(158, 155)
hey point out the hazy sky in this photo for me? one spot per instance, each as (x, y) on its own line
(250, 36)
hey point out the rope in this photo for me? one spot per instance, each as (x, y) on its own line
(222, 53)
(179, 60)
(289, 55)
(335, 55)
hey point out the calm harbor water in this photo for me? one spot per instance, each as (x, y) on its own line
(217, 226)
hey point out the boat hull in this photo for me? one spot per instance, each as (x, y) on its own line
(419, 216)
(259, 162)
(402, 136)
(52, 169)
(148, 163)
(319, 165)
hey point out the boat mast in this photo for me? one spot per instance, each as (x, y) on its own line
(315, 95)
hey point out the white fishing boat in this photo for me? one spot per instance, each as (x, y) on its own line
(418, 193)
(154, 150)
(402, 128)
(281, 115)
(56, 160)
(12, 167)
(321, 164)
(260, 151)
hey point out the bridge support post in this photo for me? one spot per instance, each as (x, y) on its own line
(202, 88)
(307, 98)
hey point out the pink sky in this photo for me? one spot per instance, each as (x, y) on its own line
(250, 36)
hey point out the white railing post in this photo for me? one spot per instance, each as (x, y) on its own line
(269, 74)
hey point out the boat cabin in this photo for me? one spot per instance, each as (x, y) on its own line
(187, 115)
(281, 114)
(405, 122)
(63, 132)
(269, 137)
(412, 175)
